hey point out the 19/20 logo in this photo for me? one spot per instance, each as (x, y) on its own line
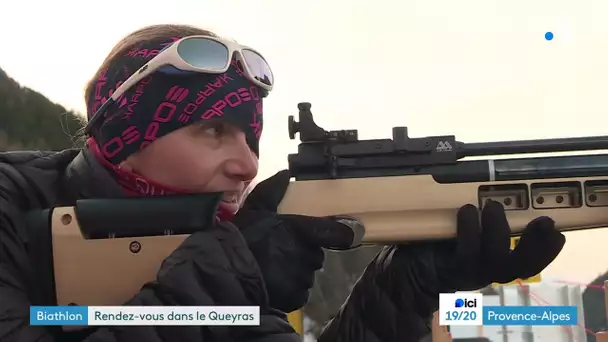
(458, 314)
(460, 308)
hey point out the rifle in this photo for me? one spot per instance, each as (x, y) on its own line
(400, 189)
(405, 189)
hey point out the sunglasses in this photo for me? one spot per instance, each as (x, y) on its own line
(201, 54)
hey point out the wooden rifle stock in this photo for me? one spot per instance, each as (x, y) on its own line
(109, 271)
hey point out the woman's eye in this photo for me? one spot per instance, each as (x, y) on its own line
(215, 130)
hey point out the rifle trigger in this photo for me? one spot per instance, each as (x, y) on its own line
(356, 227)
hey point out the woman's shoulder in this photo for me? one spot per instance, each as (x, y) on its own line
(32, 175)
(38, 158)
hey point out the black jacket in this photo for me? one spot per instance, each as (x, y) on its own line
(39, 180)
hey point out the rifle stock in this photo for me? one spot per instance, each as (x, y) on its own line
(392, 210)
(104, 250)
(97, 272)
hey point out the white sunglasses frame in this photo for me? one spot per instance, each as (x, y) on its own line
(170, 56)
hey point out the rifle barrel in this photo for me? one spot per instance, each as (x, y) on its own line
(534, 146)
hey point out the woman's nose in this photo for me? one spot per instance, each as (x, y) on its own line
(242, 163)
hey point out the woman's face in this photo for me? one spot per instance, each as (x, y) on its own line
(200, 158)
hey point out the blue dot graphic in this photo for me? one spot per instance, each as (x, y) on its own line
(549, 35)
(459, 303)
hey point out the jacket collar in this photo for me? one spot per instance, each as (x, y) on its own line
(86, 178)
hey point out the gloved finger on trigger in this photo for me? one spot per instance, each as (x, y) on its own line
(539, 245)
(327, 232)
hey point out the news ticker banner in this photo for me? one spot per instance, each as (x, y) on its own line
(466, 308)
(144, 315)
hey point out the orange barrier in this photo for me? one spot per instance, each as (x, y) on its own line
(296, 320)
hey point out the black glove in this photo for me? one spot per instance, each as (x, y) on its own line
(288, 248)
(212, 267)
(399, 290)
(480, 254)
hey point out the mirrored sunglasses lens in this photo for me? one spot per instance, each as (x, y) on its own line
(258, 67)
(203, 53)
